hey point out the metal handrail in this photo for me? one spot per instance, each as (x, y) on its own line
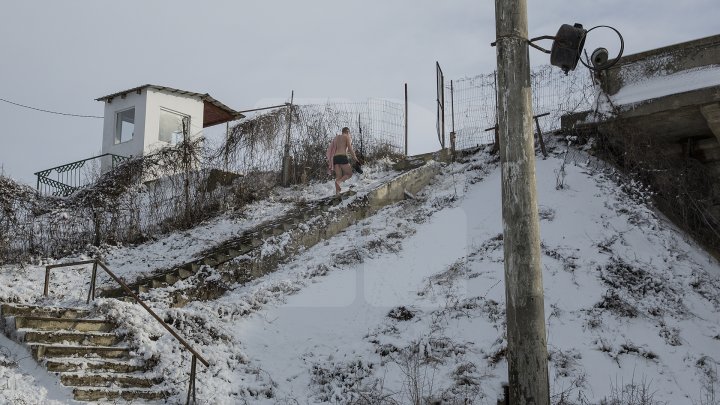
(43, 172)
(67, 170)
(91, 295)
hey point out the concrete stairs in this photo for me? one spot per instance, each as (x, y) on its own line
(86, 352)
(233, 248)
(241, 259)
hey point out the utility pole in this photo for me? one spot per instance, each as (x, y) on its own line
(524, 298)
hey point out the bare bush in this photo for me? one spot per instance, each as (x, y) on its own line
(677, 184)
(632, 393)
(179, 187)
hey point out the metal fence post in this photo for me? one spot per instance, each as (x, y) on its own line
(406, 120)
(91, 293)
(191, 387)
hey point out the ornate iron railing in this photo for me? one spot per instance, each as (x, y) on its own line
(191, 398)
(64, 180)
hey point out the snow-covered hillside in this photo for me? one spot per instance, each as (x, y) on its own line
(408, 304)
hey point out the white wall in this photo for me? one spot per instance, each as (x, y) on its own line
(135, 146)
(156, 100)
(147, 121)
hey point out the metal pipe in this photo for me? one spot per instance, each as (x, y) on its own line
(46, 288)
(191, 387)
(91, 293)
(47, 281)
(264, 108)
(53, 266)
(406, 120)
(154, 315)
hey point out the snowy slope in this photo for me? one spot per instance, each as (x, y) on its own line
(409, 303)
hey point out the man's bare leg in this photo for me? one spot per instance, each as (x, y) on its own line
(338, 176)
(342, 173)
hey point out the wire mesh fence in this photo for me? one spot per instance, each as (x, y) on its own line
(474, 102)
(178, 187)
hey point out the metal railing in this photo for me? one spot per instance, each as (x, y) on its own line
(538, 134)
(91, 296)
(65, 179)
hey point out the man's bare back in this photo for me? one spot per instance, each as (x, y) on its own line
(341, 164)
(343, 145)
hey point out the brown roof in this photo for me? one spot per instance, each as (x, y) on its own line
(214, 112)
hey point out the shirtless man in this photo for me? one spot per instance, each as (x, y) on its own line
(341, 164)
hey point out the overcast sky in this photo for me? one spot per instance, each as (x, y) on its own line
(61, 55)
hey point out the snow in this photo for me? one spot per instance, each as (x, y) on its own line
(411, 300)
(639, 88)
(24, 381)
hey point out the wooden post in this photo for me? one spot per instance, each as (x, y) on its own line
(496, 143)
(186, 161)
(539, 134)
(227, 140)
(441, 103)
(524, 299)
(286, 155)
(452, 145)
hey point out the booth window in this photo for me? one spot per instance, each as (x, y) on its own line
(172, 126)
(125, 125)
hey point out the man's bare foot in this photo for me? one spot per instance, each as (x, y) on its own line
(337, 188)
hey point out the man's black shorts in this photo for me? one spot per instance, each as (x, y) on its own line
(340, 160)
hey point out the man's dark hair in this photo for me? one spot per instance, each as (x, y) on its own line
(346, 130)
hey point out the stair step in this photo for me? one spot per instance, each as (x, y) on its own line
(158, 284)
(223, 257)
(96, 393)
(45, 312)
(40, 351)
(254, 238)
(78, 338)
(193, 267)
(110, 380)
(243, 246)
(110, 292)
(48, 323)
(183, 273)
(70, 364)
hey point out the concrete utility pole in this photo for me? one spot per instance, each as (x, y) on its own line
(524, 298)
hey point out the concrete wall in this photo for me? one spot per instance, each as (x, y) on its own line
(663, 61)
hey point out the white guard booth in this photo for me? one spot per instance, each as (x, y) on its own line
(145, 118)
